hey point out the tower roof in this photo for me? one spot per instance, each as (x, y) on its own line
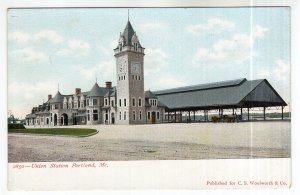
(97, 91)
(128, 33)
(57, 98)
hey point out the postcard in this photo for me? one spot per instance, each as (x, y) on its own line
(149, 98)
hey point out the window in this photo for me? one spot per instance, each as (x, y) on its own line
(157, 115)
(112, 103)
(105, 101)
(56, 106)
(132, 77)
(120, 102)
(133, 101)
(140, 102)
(120, 116)
(125, 115)
(135, 77)
(124, 102)
(88, 115)
(82, 104)
(133, 113)
(140, 116)
(124, 77)
(95, 102)
(95, 115)
(149, 115)
(139, 77)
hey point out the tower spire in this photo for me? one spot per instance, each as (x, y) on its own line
(128, 15)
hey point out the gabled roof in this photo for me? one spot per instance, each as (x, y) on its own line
(57, 98)
(227, 94)
(150, 94)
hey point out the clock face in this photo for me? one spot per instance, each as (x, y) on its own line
(135, 68)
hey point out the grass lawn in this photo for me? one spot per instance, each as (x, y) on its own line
(55, 131)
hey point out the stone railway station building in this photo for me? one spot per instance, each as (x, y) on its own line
(128, 103)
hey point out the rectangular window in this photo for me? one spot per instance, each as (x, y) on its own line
(88, 115)
(106, 115)
(124, 102)
(140, 102)
(120, 102)
(120, 116)
(140, 117)
(139, 77)
(149, 115)
(56, 106)
(132, 77)
(112, 103)
(157, 115)
(95, 102)
(106, 101)
(133, 113)
(125, 115)
(95, 115)
(133, 101)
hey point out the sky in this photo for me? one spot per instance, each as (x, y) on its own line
(73, 47)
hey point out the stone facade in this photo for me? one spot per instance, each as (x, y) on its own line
(126, 103)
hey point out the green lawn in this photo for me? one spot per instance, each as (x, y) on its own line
(55, 131)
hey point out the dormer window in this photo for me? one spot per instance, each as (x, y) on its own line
(153, 102)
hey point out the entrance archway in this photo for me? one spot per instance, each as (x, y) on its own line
(55, 119)
(112, 118)
(153, 117)
(64, 119)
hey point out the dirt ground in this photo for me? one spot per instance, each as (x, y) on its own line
(270, 139)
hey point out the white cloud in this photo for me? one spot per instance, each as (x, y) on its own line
(166, 82)
(75, 48)
(19, 37)
(155, 59)
(235, 50)
(104, 71)
(213, 25)
(280, 72)
(48, 35)
(29, 55)
(22, 96)
(151, 27)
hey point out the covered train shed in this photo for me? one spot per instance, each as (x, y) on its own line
(236, 95)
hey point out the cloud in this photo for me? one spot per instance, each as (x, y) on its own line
(48, 35)
(75, 48)
(29, 55)
(235, 50)
(104, 71)
(155, 59)
(19, 37)
(166, 82)
(151, 27)
(213, 25)
(280, 72)
(22, 96)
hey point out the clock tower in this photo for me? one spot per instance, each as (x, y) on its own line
(129, 56)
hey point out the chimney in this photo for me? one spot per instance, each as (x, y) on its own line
(49, 97)
(77, 91)
(108, 84)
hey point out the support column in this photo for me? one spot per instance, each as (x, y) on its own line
(264, 113)
(241, 113)
(175, 116)
(180, 116)
(168, 117)
(282, 112)
(248, 114)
